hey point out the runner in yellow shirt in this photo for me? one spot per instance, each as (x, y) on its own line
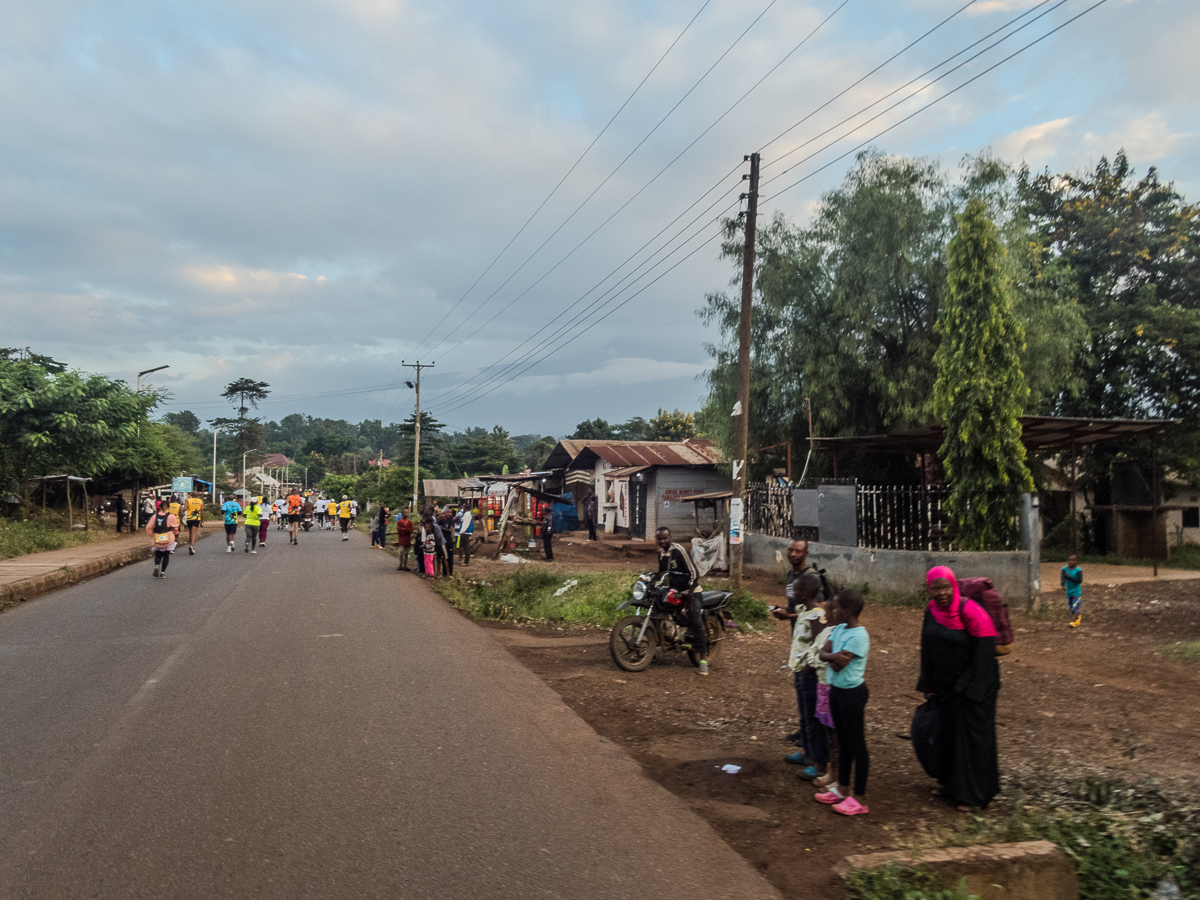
(195, 518)
(332, 511)
(344, 517)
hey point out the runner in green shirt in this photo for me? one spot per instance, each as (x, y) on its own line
(253, 514)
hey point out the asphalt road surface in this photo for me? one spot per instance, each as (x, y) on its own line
(306, 722)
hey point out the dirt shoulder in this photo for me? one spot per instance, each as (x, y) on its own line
(1099, 701)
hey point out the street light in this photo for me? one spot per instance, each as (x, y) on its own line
(137, 482)
(213, 486)
(147, 372)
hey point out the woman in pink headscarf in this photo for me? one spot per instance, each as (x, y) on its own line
(960, 675)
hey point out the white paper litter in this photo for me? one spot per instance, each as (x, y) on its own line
(511, 558)
(731, 768)
(566, 587)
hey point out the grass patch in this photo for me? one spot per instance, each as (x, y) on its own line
(527, 594)
(1187, 651)
(1123, 842)
(20, 537)
(894, 882)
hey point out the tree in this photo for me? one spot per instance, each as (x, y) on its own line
(533, 449)
(64, 421)
(672, 426)
(636, 429)
(1132, 247)
(595, 430)
(246, 392)
(487, 452)
(186, 420)
(980, 390)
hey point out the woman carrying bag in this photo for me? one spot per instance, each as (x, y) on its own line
(960, 680)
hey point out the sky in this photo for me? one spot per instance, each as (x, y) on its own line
(312, 193)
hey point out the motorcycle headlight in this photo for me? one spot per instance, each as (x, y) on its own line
(639, 591)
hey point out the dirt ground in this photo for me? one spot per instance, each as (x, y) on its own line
(1098, 701)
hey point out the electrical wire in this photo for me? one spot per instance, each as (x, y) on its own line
(611, 174)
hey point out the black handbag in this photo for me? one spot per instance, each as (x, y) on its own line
(926, 734)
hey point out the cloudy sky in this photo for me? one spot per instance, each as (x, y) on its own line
(309, 192)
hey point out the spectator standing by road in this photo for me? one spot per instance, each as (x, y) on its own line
(381, 527)
(959, 674)
(466, 534)
(806, 639)
(404, 530)
(591, 512)
(163, 529)
(846, 652)
(677, 565)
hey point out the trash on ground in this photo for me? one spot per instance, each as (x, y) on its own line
(730, 768)
(511, 558)
(566, 587)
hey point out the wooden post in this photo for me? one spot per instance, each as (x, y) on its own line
(1074, 524)
(70, 512)
(86, 504)
(1154, 500)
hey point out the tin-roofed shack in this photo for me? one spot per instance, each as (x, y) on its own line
(640, 484)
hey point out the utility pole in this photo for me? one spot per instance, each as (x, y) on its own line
(418, 365)
(741, 410)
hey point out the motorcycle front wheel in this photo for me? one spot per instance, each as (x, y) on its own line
(627, 651)
(714, 629)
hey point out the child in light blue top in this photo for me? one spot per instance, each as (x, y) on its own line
(1072, 582)
(846, 653)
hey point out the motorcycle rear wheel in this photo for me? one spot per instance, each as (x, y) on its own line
(714, 628)
(623, 644)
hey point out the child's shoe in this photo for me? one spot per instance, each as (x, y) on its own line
(825, 780)
(798, 758)
(809, 773)
(850, 807)
(830, 797)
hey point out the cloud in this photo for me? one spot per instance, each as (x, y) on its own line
(1037, 142)
(1145, 139)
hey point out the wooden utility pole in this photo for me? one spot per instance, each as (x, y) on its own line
(741, 411)
(418, 365)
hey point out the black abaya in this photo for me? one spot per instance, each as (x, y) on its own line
(962, 674)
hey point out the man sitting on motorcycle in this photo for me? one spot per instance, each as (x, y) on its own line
(684, 579)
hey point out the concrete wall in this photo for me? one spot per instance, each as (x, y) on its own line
(900, 571)
(667, 485)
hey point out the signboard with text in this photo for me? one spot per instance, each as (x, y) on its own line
(182, 485)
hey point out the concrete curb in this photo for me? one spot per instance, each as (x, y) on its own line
(29, 588)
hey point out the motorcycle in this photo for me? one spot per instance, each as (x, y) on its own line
(308, 521)
(635, 639)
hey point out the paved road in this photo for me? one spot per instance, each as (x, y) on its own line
(307, 722)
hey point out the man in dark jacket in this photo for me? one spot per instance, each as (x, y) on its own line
(684, 578)
(547, 531)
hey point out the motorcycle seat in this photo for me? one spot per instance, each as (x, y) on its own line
(712, 599)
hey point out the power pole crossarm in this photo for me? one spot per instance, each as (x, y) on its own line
(742, 411)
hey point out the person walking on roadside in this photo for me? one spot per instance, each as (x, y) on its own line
(548, 531)
(404, 530)
(353, 512)
(163, 529)
(232, 509)
(194, 514)
(148, 510)
(253, 514)
(280, 513)
(344, 511)
(331, 510)
(295, 505)
(120, 507)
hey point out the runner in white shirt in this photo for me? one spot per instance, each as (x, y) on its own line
(353, 512)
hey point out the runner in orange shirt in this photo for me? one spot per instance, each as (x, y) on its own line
(295, 514)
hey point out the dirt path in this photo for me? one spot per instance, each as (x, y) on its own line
(1098, 701)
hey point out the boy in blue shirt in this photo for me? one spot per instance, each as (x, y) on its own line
(232, 510)
(1072, 582)
(846, 654)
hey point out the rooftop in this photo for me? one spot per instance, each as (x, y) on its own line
(583, 454)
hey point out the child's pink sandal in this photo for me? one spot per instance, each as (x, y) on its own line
(829, 797)
(850, 807)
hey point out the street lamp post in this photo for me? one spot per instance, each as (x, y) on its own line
(137, 482)
(216, 428)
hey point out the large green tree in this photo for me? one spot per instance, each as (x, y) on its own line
(980, 391)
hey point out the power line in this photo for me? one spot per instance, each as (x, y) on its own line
(933, 102)
(466, 400)
(574, 165)
(694, 141)
(610, 175)
(945, 74)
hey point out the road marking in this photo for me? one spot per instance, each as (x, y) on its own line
(159, 674)
(330, 635)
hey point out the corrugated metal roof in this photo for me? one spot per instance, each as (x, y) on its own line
(582, 454)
